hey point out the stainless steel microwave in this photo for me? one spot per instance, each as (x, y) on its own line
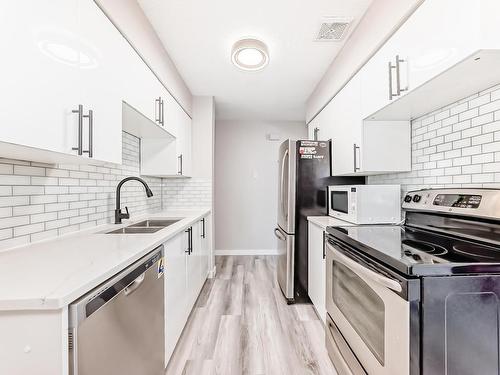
(365, 204)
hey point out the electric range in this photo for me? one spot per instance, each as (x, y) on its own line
(421, 297)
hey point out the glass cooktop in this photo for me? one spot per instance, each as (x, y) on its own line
(419, 252)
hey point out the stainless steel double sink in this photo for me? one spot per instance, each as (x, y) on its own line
(146, 226)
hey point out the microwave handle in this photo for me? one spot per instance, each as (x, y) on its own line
(358, 268)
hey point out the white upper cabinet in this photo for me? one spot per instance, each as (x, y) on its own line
(60, 88)
(426, 49)
(63, 83)
(40, 74)
(362, 147)
(102, 82)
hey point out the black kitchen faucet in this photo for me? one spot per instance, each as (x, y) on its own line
(118, 212)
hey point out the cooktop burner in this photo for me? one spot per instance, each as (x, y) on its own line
(425, 247)
(419, 252)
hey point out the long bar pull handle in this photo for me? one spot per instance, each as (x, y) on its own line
(398, 76)
(79, 111)
(90, 116)
(203, 234)
(356, 149)
(316, 132)
(162, 111)
(180, 164)
(391, 92)
(158, 105)
(361, 270)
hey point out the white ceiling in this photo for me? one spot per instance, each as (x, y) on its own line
(198, 35)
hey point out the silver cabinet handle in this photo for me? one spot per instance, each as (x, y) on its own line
(358, 268)
(90, 116)
(179, 158)
(79, 111)
(316, 132)
(158, 110)
(162, 110)
(391, 92)
(356, 148)
(399, 90)
(132, 287)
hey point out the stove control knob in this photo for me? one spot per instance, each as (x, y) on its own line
(408, 199)
(416, 198)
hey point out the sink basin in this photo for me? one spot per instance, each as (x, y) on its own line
(135, 230)
(154, 223)
(146, 226)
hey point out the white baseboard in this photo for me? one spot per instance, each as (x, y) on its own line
(212, 273)
(247, 252)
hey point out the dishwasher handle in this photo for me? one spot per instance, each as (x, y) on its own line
(134, 285)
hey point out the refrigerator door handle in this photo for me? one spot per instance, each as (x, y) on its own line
(278, 234)
(283, 203)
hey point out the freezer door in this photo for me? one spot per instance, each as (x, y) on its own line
(286, 186)
(285, 267)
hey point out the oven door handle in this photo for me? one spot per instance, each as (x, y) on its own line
(355, 266)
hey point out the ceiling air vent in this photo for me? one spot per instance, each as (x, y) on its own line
(333, 29)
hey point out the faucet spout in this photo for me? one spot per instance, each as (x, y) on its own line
(118, 212)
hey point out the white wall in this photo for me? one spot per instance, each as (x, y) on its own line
(128, 16)
(246, 184)
(380, 21)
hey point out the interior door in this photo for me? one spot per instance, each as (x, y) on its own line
(286, 187)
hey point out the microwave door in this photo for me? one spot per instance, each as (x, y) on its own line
(286, 186)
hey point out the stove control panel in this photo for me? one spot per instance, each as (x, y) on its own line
(463, 201)
(458, 200)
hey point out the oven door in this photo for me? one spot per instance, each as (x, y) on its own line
(369, 309)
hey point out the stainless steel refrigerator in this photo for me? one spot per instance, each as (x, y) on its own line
(304, 174)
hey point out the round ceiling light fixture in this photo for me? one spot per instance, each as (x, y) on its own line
(250, 54)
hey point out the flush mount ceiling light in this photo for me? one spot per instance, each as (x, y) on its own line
(250, 54)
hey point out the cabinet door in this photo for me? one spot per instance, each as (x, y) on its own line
(345, 117)
(435, 38)
(317, 270)
(40, 73)
(378, 81)
(176, 301)
(205, 249)
(194, 265)
(184, 142)
(102, 81)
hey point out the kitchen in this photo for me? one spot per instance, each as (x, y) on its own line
(250, 188)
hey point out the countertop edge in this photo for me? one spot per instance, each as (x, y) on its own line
(49, 302)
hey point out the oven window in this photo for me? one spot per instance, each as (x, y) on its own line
(361, 306)
(339, 201)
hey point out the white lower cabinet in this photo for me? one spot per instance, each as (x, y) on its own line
(186, 269)
(317, 269)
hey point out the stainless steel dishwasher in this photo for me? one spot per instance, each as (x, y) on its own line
(119, 327)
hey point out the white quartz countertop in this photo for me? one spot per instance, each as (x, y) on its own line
(328, 221)
(51, 274)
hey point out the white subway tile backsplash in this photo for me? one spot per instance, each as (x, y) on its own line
(463, 148)
(40, 201)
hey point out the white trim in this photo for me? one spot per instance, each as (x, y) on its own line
(212, 272)
(247, 252)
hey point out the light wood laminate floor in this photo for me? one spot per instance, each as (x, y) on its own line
(241, 324)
